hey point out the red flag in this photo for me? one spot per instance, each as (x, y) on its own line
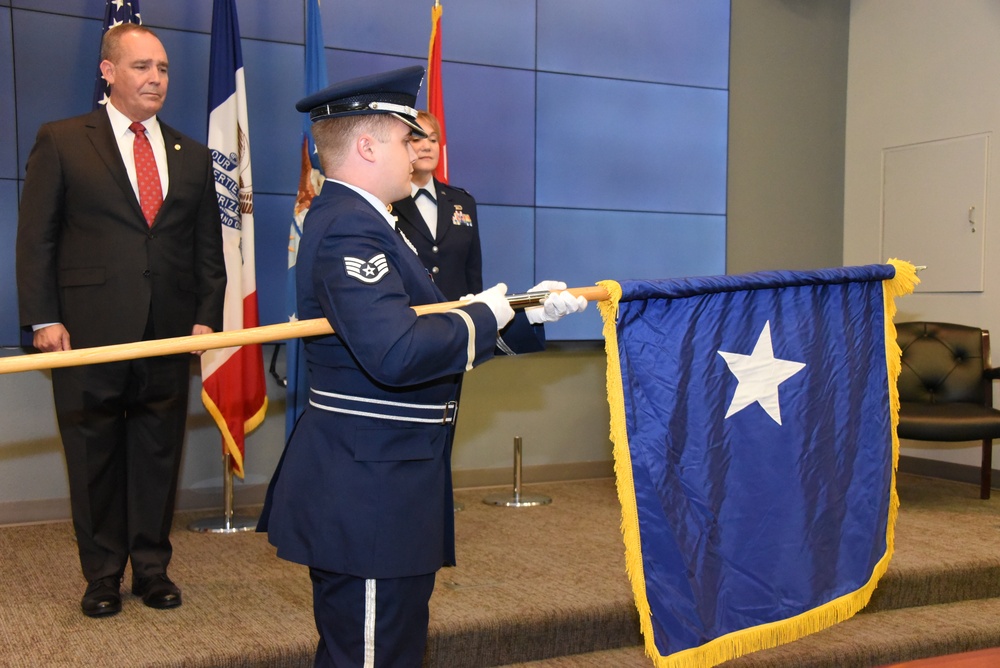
(435, 96)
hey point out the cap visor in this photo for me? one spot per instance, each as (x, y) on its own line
(417, 130)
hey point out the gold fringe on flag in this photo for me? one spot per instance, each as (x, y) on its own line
(249, 425)
(777, 633)
(623, 462)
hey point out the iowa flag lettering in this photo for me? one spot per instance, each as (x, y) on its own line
(753, 423)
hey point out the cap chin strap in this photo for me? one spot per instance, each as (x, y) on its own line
(394, 108)
(404, 113)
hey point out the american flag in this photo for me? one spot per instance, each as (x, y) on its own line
(115, 13)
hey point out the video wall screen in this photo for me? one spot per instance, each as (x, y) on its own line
(593, 135)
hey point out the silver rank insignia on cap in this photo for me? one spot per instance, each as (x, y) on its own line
(367, 271)
(460, 217)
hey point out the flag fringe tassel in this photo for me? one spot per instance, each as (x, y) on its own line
(249, 425)
(742, 642)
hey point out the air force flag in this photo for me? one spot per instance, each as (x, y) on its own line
(753, 422)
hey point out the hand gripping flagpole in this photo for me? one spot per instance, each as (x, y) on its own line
(239, 337)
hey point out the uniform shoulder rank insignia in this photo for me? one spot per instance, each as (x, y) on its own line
(367, 271)
(460, 217)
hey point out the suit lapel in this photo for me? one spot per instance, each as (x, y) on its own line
(103, 140)
(175, 163)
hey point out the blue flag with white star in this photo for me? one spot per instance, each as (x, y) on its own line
(754, 434)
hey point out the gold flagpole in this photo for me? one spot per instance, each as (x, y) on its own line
(239, 337)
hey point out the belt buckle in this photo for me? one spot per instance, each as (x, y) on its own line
(451, 406)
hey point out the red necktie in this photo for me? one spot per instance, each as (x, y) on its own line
(150, 192)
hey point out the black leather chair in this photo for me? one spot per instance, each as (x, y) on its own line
(946, 388)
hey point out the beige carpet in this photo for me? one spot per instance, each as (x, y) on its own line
(532, 584)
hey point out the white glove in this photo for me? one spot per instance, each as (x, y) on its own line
(496, 299)
(556, 305)
(550, 286)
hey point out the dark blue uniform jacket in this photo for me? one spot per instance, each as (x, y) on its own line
(358, 490)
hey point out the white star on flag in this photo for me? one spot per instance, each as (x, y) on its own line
(758, 376)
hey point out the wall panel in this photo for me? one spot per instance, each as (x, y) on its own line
(507, 234)
(583, 247)
(8, 147)
(9, 334)
(611, 144)
(487, 32)
(490, 115)
(272, 224)
(275, 126)
(44, 92)
(670, 41)
(396, 28)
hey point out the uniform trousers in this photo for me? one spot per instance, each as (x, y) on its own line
(122, 426)
(367, 623)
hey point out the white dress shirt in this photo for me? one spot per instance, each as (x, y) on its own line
(427, 205)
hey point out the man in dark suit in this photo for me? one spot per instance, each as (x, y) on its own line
(119, 240)
(362, 494)
(440, 220)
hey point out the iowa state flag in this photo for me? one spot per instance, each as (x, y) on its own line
(233, 388)
(753, 420)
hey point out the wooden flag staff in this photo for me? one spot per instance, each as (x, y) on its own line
(239, 337)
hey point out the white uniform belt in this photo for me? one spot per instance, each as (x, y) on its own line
(383, 409)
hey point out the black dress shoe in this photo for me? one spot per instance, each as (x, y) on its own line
(157, 591)
(103, 597)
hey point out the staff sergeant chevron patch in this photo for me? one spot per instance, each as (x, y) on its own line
(367, 271)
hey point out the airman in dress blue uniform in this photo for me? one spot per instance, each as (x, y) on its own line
(362, 494)
(440, 219)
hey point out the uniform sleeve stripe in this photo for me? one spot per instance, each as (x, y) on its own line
(472, 336)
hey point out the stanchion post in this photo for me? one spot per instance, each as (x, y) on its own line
(517, 500)
(517, 468)
(228, 523)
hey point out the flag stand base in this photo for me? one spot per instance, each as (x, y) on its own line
(517, 500)
(234, 524)
(228, 523)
